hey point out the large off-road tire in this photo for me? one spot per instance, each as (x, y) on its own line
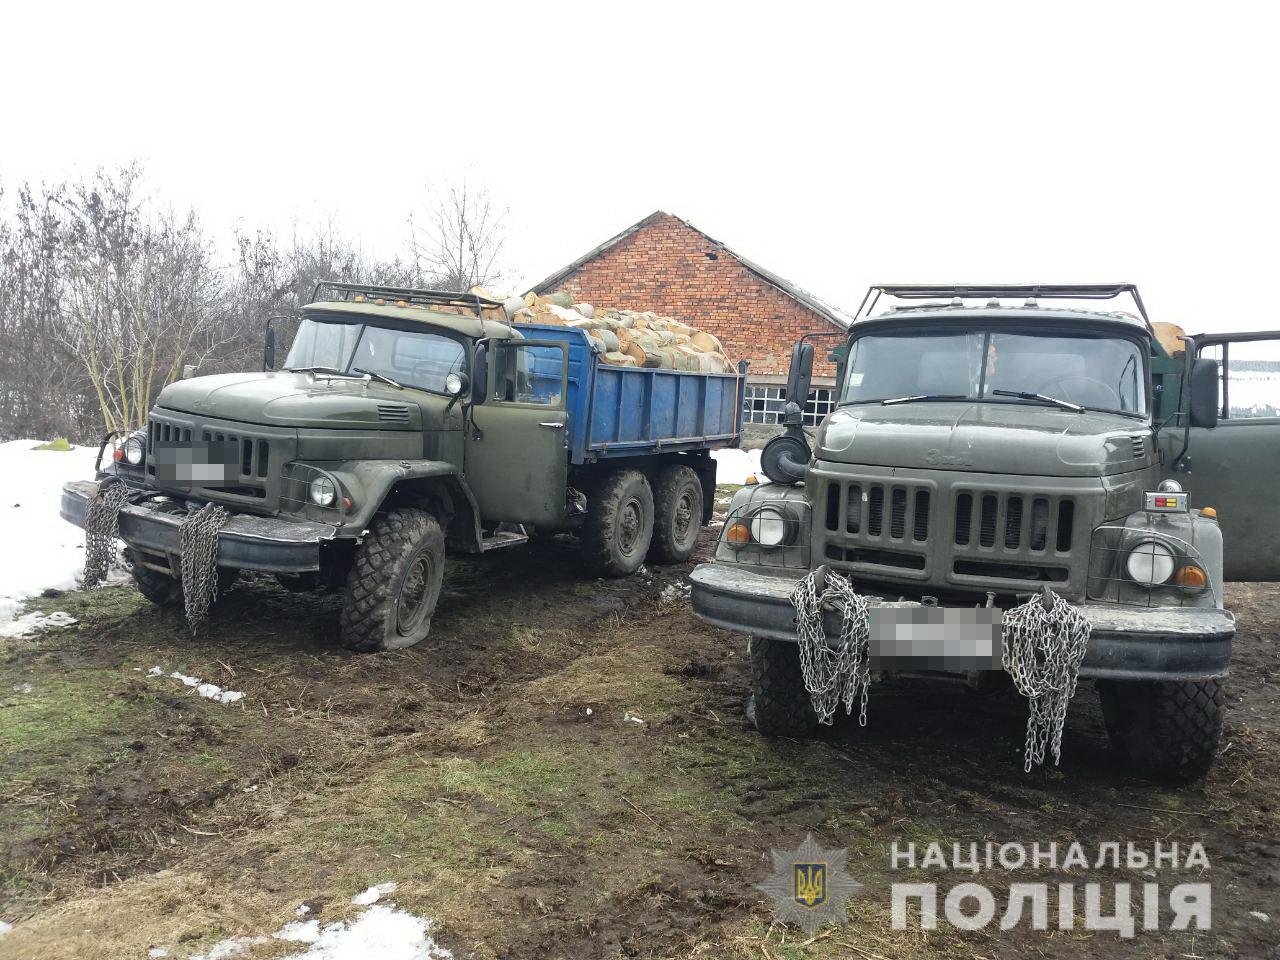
(394, 582)
(677, 514)
(165, 590)
(1168, 731)
(619, 524)
(160, 588)
(780, 704)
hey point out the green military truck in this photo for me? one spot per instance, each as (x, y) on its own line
(983, 451)
(404, 423)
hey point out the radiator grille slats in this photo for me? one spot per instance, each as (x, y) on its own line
(1008, 522)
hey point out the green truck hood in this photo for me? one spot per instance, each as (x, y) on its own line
(1009, 438)
(296, 400)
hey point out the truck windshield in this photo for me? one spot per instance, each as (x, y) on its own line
(1094, 372)
(412, 358)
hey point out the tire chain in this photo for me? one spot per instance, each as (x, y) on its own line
(1044, 643)
(198, 535)
(842, 674)
(102, 532)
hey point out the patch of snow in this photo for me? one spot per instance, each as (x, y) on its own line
(5, 928)
(588, 711)
(30, 624)
(300, 931)
(23, 688)
(734, 466)
(675, 592)
(229, 948)
(373, 894)
(155, 953)
(303, 909)
(51, 555)
(632, 718)
(210, 691)
(385, 932)
(1259, 915)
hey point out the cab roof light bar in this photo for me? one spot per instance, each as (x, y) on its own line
(334, 291)
(1037, 291)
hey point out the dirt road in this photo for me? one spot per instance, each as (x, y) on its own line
(561, 770)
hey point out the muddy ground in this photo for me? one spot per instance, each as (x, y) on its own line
(561, 770)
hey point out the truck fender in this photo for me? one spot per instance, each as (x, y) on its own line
(379, 484)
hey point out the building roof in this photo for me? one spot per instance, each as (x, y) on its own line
(800, 295)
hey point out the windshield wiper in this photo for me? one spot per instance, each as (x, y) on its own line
(330, 370)
(1027, 395)
(378, 376)
(924, 396)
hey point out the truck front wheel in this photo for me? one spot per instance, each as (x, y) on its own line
(165, 590)
(619, 524)
(1169, 730)
(394, 583)
(780, 704)
(677, 521)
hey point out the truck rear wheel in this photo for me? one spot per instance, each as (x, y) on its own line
(677, 514)
(779, 701)
(1169, 730)
(619, 524)
(394, 583)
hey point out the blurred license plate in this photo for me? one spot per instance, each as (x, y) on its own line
(214, 463)
(935, 638)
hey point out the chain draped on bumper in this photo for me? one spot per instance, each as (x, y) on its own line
(246, 542)
(1126, 643)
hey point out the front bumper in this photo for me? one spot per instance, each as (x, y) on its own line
(246, 542)
(1126, 643)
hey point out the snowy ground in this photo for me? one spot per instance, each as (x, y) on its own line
(42, 550)
(733, 466)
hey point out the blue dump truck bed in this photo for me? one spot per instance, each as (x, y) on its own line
(635, 411)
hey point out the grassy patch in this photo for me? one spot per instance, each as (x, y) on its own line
(60, 445)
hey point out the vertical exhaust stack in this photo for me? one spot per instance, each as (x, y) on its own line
(786, 457)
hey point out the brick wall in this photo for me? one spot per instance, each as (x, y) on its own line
(670, 268)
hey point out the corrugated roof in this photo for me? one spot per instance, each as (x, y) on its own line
(827, 311)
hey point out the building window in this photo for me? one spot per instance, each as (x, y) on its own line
(763, 404)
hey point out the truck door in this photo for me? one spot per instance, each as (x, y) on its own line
(1235, 464)
(517, 457)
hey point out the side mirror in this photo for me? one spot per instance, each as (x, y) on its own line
(269, 349)
(480, 371)
(1204, 393)
(800, 374)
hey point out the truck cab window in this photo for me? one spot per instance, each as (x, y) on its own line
(1248, 378)
(412, 358)
(523, 373)
(1099, 373)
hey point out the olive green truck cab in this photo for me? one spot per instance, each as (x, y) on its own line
(980, 452)
(402, 424)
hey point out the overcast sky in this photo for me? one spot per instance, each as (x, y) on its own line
(918, 142)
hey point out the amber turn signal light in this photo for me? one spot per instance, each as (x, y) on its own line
(1209, 512)
(738, 534)
(1191, 576)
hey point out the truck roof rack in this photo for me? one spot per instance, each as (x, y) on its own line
(333, 290)
(1044, 291)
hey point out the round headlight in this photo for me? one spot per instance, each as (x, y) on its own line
(1150, 563)
(133, 451)
(323, 492)
(770, 527)
(453, 384)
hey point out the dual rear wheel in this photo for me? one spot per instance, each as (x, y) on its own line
(629, 519)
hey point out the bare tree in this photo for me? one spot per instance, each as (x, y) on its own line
(457, 242)
(145, 296)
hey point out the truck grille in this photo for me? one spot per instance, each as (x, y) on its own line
(958, 533)
(1006, 518)
(261, 449)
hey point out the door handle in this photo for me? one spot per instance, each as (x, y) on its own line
(552, 424)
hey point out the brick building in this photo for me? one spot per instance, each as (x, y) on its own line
(667, 265)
